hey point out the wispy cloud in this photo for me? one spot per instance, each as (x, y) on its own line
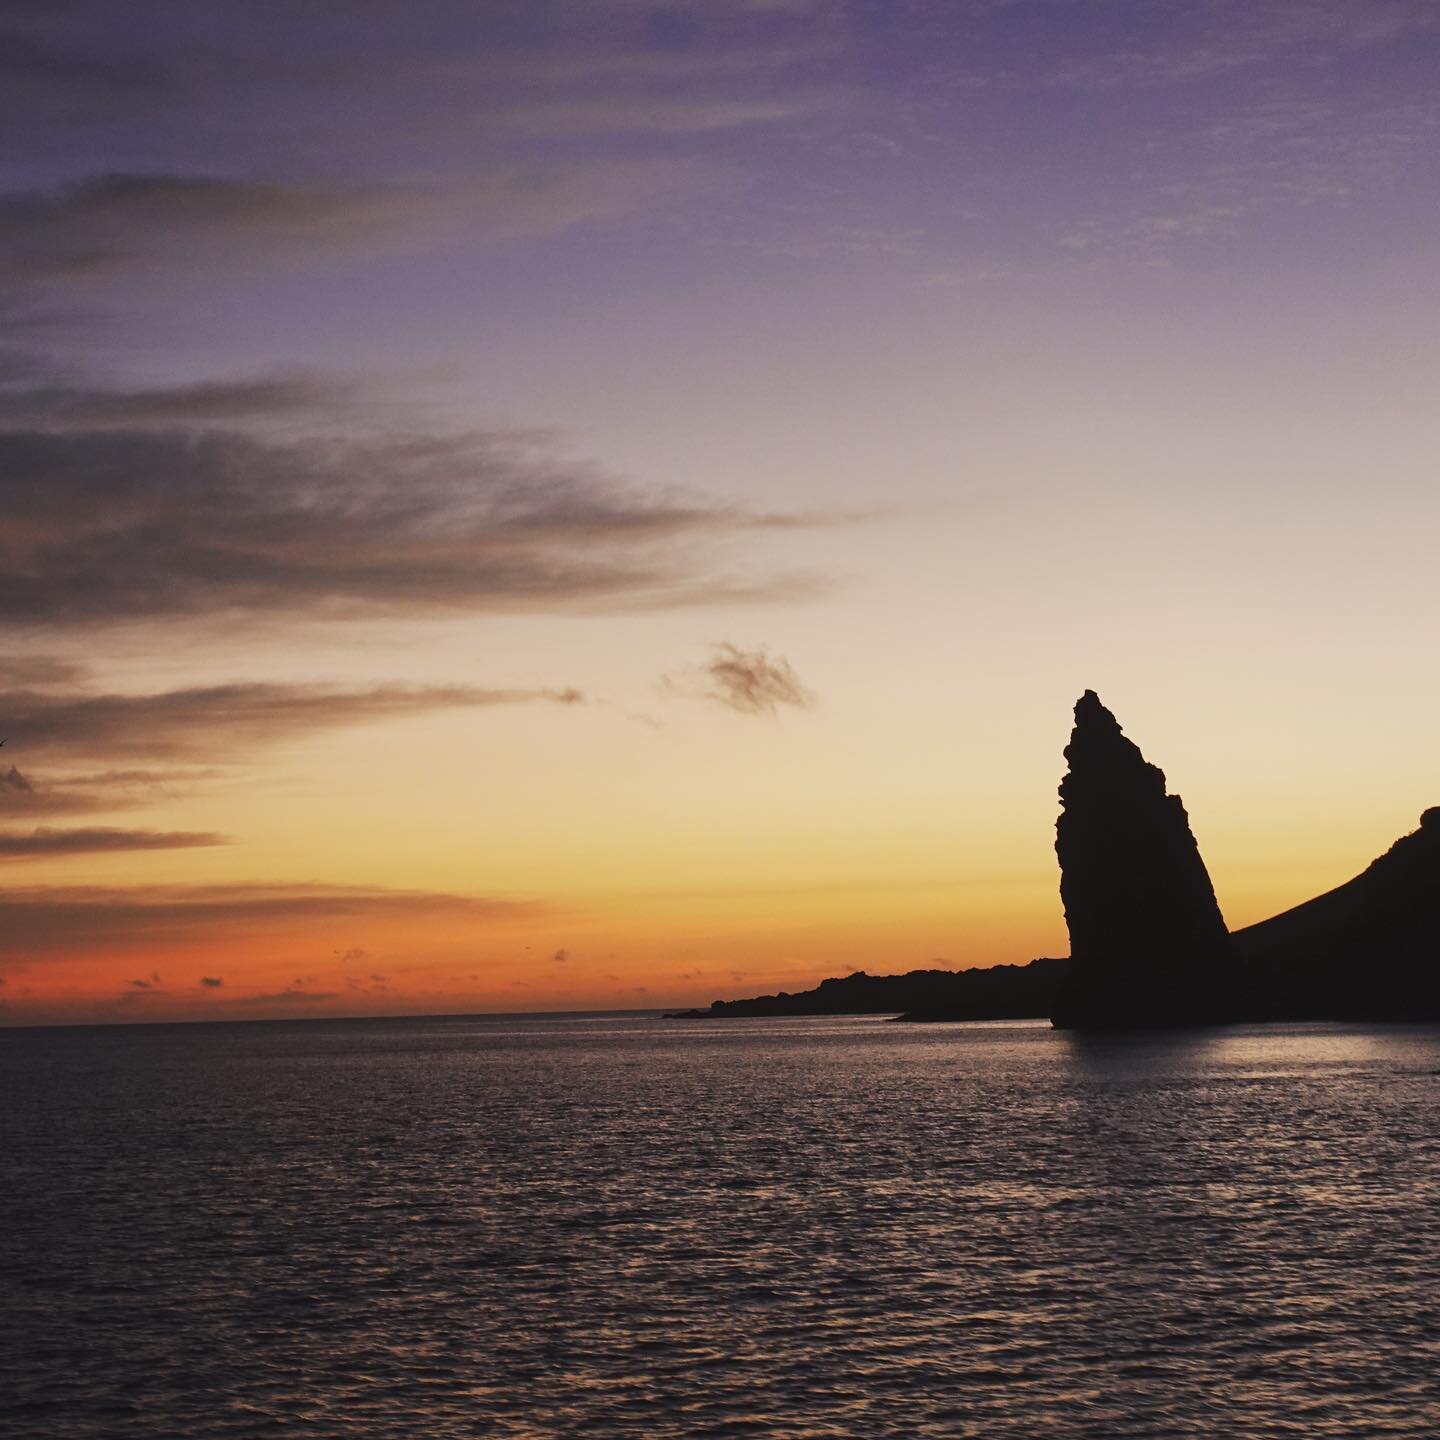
(488, 136)
(1200, 183)
(1140, 44)
(56, 920)
(666, 115)
(1201, 122)
(283, 999)
(165, 524)
(207, 403)
(753, 682)
(1214, 37)
(47, 670)
(114, 221)
(216, 720)
(88, 793)
(45, 843)
(432, 67)
(12, 782)
(185, 224)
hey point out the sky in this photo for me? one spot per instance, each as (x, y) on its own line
(595, 504)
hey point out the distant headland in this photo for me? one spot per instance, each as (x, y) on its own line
(1149, 947)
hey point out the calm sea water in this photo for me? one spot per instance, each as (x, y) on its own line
(623, 1226)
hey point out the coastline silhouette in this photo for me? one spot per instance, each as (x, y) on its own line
(1149, 948)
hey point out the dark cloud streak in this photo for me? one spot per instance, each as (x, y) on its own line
(127, 524)
(89, 794)
(480, 125)
(202, 404)
(183, 225)
(119, 221)
(44, 843)
(57, 920)
(213, 720)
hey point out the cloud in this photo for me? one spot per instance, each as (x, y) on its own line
(1138, 44)
(14, 782)
(89, 793)
(44, 843)
(110, 222)
(1219, 114)
(192, 224)
(1242, 33)
(125, 524)
(438, 68)
(326, 136)
(214, 719)
(48, 670)
(292, 996)
(1201, 184)
(58, 919)
(675, 114)
(53, 406)
(185, 225)
(752, 683)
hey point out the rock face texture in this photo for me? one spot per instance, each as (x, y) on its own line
(1149, 944)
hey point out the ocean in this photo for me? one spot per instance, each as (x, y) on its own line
(615, 1225)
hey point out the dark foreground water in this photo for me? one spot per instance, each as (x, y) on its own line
(621, 1226)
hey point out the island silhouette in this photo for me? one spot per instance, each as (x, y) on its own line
(1149, 947)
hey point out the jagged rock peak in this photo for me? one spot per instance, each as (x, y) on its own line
(1100, 755)
(1145, 928)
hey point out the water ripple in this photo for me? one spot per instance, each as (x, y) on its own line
(798, 1229)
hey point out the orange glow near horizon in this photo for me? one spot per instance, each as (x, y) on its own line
(799, 902)
(539, 856)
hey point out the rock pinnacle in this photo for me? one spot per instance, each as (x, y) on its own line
(1149, 943)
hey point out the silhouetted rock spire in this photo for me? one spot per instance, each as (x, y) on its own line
(1148, 944)
(1146, 934)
